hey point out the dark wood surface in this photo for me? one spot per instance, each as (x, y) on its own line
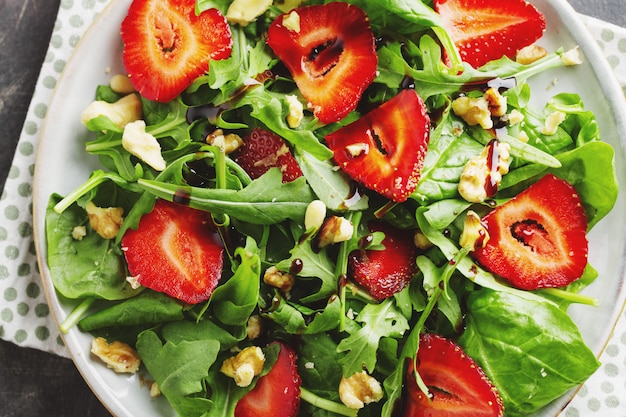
(34, 383)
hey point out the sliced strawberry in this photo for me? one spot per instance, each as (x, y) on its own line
(384, 150)
(167, 46)
(262, 150)
(277, 393)
(175, 250)
(484, 30)
(385, 272)
(538, 238)
(330, 51)
(456, 384)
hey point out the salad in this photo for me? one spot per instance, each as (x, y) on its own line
(317, 269)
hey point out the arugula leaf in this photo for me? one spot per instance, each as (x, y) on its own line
(531, 350)
(379, 320)
(265, 200)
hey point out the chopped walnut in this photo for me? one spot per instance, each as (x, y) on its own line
(116, 355)
(334, 230)
(478, 170)
(530, 54)
(359, 389)
(244, 366)
(229, 143)
(496, 102)
(474, 110)
(474, 235)
(105, 221)
(278, 279)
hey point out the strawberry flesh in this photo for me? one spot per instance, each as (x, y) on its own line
(384, 150)
(486, 30)
(262, 150)
(385, 272)
(330, 53)
(458, 387)
(167, 46)
(175, 250)
(538, 238)
(277, 393)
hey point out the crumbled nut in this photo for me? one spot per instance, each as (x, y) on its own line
(278, 279)
(244, 366)
(155, 391)
(475, 111)
(474, 235)
(116, 355)
(244, 12)
(571, 57)
(514, 117)
(125, 110)
(254, 327)
(314, 215)
(134, 282)
(359, 389)
(120, 83)
(530, 54)
(478, 171)
(105, 221)
(229, 143)
(334, 230)
(552, 123)
(296, 111)
(292, 22)
(143, 145)
(496, 102)
(421, 241)
(79, 232)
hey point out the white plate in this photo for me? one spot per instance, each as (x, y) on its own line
(63, 165)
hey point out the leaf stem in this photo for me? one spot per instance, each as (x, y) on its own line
(76, 314)
(325, 404)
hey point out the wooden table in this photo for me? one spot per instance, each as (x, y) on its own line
(34, 383)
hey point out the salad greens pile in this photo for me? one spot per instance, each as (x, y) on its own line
(525, 341)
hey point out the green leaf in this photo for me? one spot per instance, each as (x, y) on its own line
(379, 320)
(531, 350)
(97, 267)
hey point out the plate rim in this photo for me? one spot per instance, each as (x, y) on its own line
(565, 12)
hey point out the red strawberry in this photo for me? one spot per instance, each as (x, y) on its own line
(262, 150)
(385, 272)
(384, 150)
(167, 46)
(330, 53)
(277, 393)
(484, 30)
(456, 384)
(175, 250)
(538, 238)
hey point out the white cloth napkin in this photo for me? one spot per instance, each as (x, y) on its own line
(24, 314)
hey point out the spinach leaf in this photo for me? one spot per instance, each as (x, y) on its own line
(145, 309)
(179, 369)
(97, 268)
(531, 350)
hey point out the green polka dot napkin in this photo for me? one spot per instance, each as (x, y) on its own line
(24, 315)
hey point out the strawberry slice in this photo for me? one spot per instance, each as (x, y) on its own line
(538, 238)
(175, 250)
(330, 51)
(277, 393)
(167, 46)
(456, 384)
(262, 150)
(385, 149)
(385, 272)
(484, 30)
